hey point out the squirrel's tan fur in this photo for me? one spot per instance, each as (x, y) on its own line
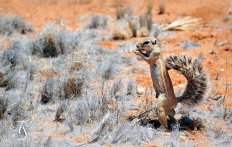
(197, 87)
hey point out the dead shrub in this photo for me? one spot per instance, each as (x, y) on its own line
(12, 23)
(127, 26)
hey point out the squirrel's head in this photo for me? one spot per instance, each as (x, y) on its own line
(147, 44)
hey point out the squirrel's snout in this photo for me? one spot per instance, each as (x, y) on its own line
(138, 46)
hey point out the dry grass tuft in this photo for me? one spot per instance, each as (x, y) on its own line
(183, 24)
(122, 13)
(126, 26)
(52, 42)
(3, 82)
(73, 87)
(96, 22)
(12, 23)
(123, 29)
(3, 107)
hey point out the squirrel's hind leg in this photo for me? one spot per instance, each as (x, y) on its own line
(162, 117)
(160, 110)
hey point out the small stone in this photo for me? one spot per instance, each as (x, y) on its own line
(140, 90)
(212, 52)
(221, 43)
(182, 138)
(188, 45)
(77, 65)
(216, 97)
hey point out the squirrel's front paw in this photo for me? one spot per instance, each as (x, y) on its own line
(136, 51)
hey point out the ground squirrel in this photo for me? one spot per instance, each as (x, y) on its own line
(198, 81)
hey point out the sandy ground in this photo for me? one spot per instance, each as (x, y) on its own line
(216, 14)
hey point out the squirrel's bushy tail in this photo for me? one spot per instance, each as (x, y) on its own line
(198, 81)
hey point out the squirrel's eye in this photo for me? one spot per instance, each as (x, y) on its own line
(146, 42)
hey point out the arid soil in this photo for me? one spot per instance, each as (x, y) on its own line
(215, 38)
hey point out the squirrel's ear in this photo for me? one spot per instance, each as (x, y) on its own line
(153, 42)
